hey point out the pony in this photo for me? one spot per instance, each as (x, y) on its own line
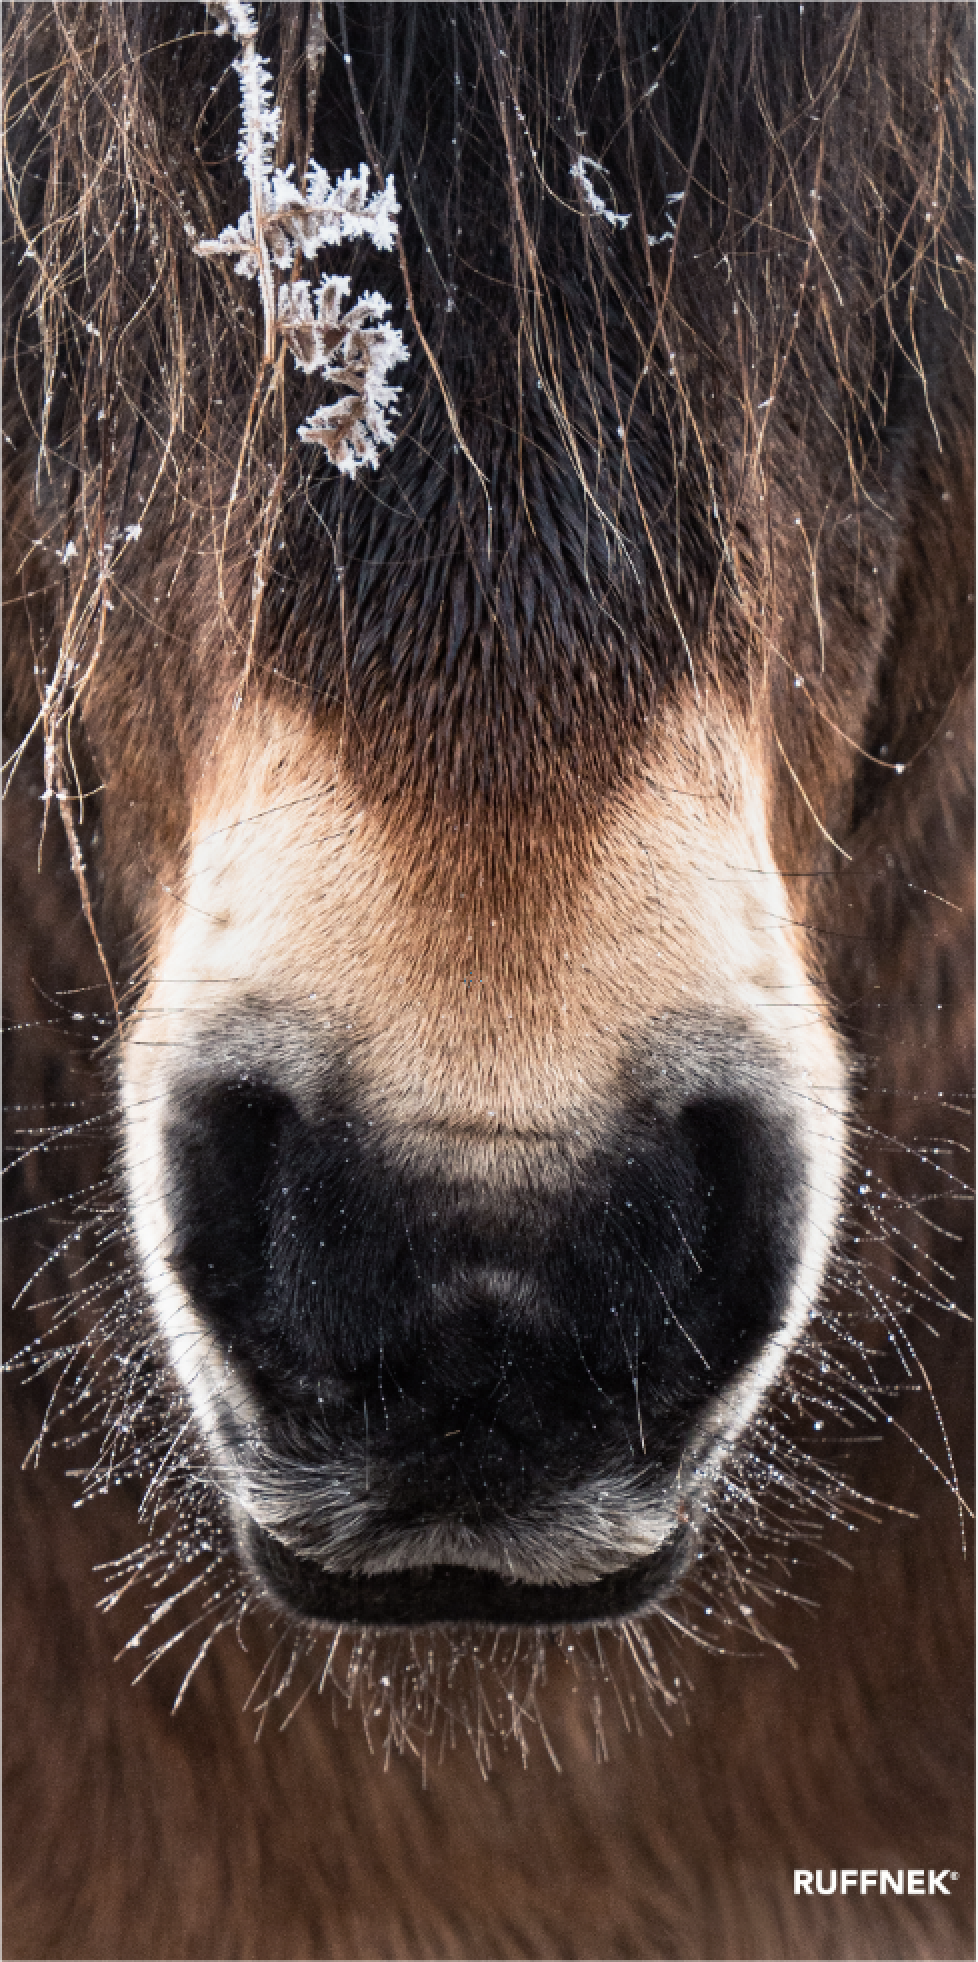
(498, 978)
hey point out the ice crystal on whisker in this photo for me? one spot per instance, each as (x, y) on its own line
(579, 172)
(355, 349)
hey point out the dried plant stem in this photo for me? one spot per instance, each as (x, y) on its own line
(254, 168)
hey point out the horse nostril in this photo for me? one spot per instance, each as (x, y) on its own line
(222, 1152)
(747, 1171)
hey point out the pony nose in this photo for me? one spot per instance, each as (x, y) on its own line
(495, 1338)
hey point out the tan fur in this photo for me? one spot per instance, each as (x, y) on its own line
(371, 783)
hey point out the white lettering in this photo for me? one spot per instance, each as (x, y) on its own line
(845, 1880)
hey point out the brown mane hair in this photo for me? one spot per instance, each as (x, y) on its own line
(720, 455)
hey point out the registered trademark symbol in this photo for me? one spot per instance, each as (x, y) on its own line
(955, 1876)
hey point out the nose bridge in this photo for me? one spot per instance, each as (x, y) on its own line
(491, 1009)
(479, 1058)
(523, 1019)
(454, 976)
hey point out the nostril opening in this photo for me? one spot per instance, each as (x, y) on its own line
(222, 1152)
(724, 1147)
(749, 1176)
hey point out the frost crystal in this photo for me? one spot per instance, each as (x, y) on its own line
(354, 350)
(579, 171)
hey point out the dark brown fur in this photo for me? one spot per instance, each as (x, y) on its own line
(840, 1738)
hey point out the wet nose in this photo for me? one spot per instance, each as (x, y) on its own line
(493, 1340)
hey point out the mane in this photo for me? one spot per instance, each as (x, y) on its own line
(794, 203)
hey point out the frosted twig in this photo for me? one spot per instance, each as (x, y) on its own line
(354, 350)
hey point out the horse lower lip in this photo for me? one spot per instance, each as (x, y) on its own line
(426, 1596)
